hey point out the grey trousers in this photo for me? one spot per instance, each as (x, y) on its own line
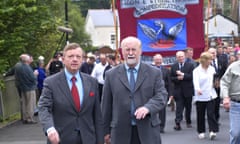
(29, 104)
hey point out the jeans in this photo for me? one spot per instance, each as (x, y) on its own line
(234, 123)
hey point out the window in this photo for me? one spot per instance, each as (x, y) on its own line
(113, 38)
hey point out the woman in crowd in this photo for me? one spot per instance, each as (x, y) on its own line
(204, 96)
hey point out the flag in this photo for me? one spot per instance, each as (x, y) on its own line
(163, 26)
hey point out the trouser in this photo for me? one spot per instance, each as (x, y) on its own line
(201, 108)
(217, 104)
(29, 104)
(134, 136)
(181, 103)
(162, 117)
(234, 115)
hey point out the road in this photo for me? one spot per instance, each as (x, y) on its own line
(18, 133)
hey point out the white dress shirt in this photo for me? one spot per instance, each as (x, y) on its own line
(98, 71)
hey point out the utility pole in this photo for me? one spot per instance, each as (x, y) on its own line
(66, 19)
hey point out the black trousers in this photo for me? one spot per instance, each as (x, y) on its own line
(181, 104)
(217, 104)
(134, 136)
(201, 108)
(162, 117)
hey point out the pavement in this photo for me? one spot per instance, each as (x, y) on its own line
(18, 133)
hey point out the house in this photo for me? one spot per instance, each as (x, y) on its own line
(220, 28)
(220, 24)
(101, 28)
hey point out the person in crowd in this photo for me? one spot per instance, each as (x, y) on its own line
(41, 75)
(220, 64)
(133, 95)
(27, 83)
(98, 71)
(221, 54)
(230, 50)
(181, 76)
(236, 48)
(111, 63)
(232, 58)
(88, 65)
(55, 65)
(204, 96)
(189, 56)
(230, 92)
(238, 55)
(158, 63)
(227, 52)
(69, 108)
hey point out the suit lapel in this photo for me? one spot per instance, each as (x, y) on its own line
(123, 76)
(63, 85)
(141, 75)
(86, 88)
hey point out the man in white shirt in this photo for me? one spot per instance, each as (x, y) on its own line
(98, 71)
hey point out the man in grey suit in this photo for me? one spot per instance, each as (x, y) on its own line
(133, 95)
(69, 108)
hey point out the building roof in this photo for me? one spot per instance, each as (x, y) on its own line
(102, 17)
(219, 14)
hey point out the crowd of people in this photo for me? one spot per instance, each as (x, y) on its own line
(88, 99)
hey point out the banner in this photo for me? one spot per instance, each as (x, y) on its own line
(163, 26)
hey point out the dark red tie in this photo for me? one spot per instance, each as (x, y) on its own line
(75, 94)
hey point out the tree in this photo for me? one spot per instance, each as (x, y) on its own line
(77, 23)
(24, 25)
(84, 5)
(30, 26)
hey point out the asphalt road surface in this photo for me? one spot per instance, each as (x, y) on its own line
(18, 133)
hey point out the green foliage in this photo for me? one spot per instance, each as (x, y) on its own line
(92, 4)
(77, 22)
(30, 26)
(10, 119)
(26, 27)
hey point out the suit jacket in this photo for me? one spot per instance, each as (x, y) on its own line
(56, 109)
(116, 104)
(167, 79)
(222, 65)
(184, 86)
(87, 68)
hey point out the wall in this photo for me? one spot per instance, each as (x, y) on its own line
(9, 98)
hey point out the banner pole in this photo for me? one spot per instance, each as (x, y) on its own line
(115, 27)
(208, 14)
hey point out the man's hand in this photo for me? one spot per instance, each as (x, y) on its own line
(141, 113)
(53, 136)
(107, 139)
(226, 103)
(180, 77)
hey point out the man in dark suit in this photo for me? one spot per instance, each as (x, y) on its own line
(181, 75)
(69, 108)
(133, 95)
(220, 64)
(157, 62)
(189, 56)
(88, 65)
